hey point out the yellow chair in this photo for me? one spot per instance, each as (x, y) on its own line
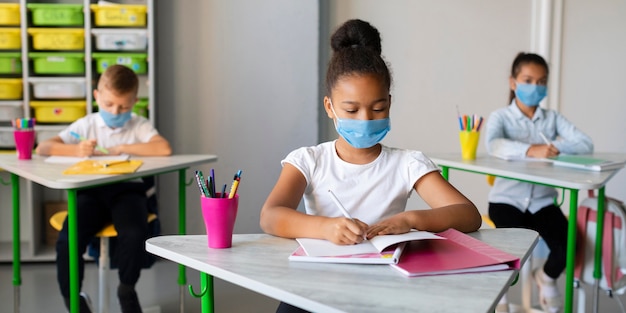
(104, 262)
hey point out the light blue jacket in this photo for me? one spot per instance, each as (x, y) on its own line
(509, 134)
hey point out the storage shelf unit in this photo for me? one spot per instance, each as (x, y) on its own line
(56, 57)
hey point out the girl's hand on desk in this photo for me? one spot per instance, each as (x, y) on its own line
(344, 231)
(542, 151)
(397, 224)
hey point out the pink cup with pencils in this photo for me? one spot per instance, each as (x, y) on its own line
(24, 135)
(219, 218)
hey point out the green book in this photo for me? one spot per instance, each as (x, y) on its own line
(587, 163)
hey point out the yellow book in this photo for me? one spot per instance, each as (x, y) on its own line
(104, 167)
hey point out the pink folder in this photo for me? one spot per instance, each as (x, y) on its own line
(460, 253)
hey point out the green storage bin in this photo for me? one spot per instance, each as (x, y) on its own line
(58, 62)
(10, 63)
(135, 61)
(56, 14)
(140, 108)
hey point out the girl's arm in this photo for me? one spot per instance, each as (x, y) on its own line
(570, 139)
(450, 209)
(156, 146)
(279, 215)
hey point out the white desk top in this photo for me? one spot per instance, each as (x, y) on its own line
(51, 175)
(259, 262)
(536, 172)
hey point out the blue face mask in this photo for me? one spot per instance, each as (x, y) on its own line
(115, 120)
(361, 133)
(530, 94)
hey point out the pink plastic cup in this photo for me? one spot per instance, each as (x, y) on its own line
(24, 143)
(219, 218)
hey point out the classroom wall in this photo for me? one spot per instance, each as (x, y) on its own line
(445, 54)
(237, 79)
(264, 63)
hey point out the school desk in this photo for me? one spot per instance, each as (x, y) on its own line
(50, 175)
(259, 262)
(544, 173)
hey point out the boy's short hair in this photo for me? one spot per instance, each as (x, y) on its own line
(119, 79)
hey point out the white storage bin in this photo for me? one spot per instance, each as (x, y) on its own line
(46, 132)
(142, 92)
(10, 110)
(120, 39)
(6, 137)
(59, 87)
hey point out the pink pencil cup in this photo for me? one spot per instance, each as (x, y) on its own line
(24, 143)
(219, 218)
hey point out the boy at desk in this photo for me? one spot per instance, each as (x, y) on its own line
(372, 181)
(113, 130)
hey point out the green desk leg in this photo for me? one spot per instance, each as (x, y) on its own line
(206, 283)
(597, 261)
(17, 280)
(571, 251)
(182, 229)
(72, 234)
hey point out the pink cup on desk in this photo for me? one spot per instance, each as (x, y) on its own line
(24, 143)
(219, 218)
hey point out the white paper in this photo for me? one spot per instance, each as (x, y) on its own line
(321, 247)
(57, 159)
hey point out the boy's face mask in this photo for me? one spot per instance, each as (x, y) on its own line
(115, 120)
(530, 94)
(361, 133)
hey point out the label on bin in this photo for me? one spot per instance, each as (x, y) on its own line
(55, 59)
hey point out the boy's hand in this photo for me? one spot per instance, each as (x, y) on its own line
(86, 147)
(344, 231)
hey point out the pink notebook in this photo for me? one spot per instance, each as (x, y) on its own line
(460, 253)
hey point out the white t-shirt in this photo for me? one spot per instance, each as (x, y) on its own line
(370, 192)
(137, 130)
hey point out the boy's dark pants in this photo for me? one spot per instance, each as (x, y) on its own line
(124, 205)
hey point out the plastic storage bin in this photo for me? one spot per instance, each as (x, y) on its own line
(144, 84)
(128, 15)
(59, 87)
(56, 14)
(111, 39)
(58, 38)
(10, 110)
(135, 61)
(6, 137)
(58, 111)
(10, 63)
(10, 88)
(9, 14)
(58, 63)
(10, 38)
(140, 108)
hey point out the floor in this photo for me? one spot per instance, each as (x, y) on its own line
(159, 292)
(157, 289)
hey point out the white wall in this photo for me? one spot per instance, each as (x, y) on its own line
(443, 54)
(237, 79)
(222, 60)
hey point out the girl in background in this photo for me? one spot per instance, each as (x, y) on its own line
(521, 130)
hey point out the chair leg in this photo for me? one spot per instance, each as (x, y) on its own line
(103, 270)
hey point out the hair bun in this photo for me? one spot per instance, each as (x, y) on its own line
(356, 33)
